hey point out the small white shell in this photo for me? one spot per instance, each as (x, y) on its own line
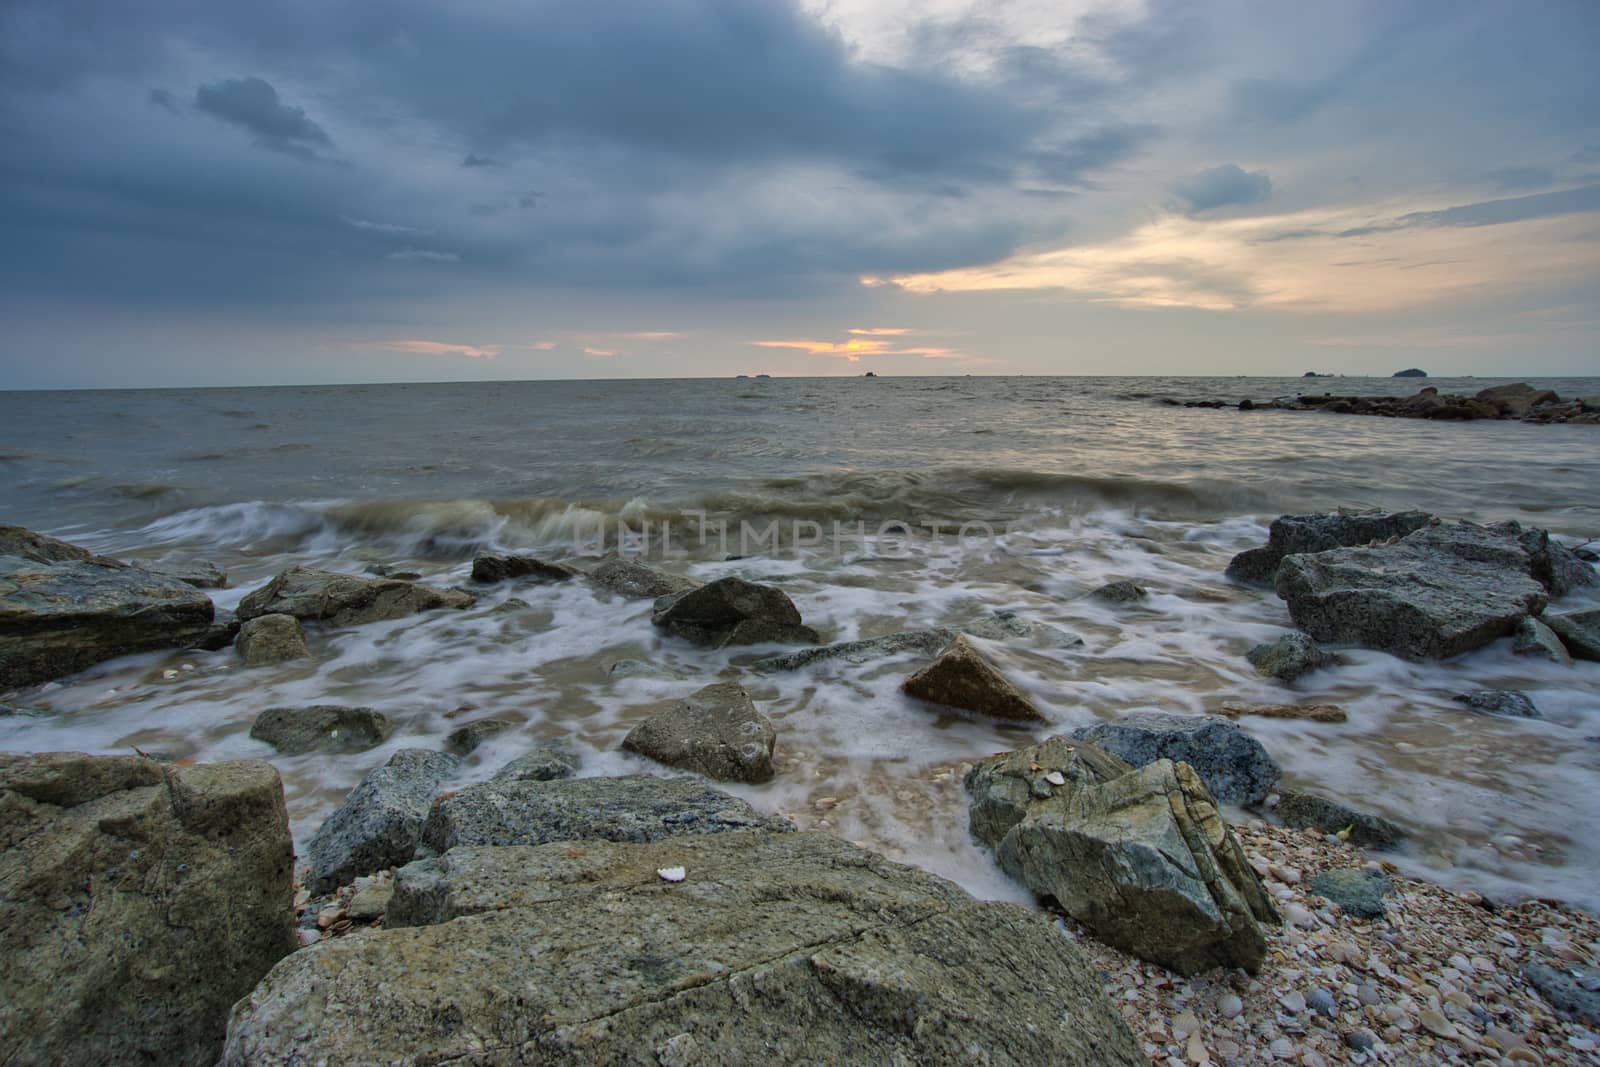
(672, 874)
(1056, 778)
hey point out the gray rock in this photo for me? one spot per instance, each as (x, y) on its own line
(1436, 593)
(732, 611)
(60, 616)
(494, 567)
(465, 739)
(1290, 657)
(269, 639)
(716, 732)
(920, 642)
(1579, 632)
(1009, 626)
(632, 579)
(1123, 592)
(1552, 564)
(633, 808)
(543, 763)
(1233, 765)
(1290, 534)
(1506, 703)
(321, 727)
(345, 599)
(138, 901)
(1533, 638)
(198, 573)
(41, 548)
(380, 822)
(222, 632)
(637, 668)
(793, 948)
(370, 900)
(1358, 891)
(1572, 988)
(1304, 811)
(1141, 857)
(961, 678)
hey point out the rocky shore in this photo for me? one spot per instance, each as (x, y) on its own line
(1520, 402)
(154, 911)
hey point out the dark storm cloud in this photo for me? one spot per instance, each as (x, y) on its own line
(1226, 186)
(253, 105)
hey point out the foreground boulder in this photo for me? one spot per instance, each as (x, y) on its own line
(321, 727)
(634, 580)
(1141, 857)
(716, 732)
(271, 639)
(792, 948)
(963, 679)
(62, 610)
(137, 902)
(1290, 534)
(380, 823)
(345, 599)
(494, 567)
(1233, 765)
(732, 611)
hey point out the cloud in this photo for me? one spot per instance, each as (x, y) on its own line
(378, 227)
(1226, 186)
(599, 353)
(854, 349)
(435, 348)
(1521, 179)
(164, 100)
(253, 105)
(1492, 212)
(422, 255)
(474, 160)
(880, 331)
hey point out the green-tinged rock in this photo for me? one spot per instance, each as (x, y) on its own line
(1579, 632)
(321, 727)
(1572, 988)
(715, 731)
(271, 639)
(1289, 657)
(1307, 811)
(380, 823)
(345, 599)
(1533, 638)
(1358, 891)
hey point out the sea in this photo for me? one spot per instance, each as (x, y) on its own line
(877, 504)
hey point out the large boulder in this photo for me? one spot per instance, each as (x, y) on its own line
(1233, 765)
(496, 567)
(380, 822)
(138, 901)
(1290, 534)
(715, 731)
(793, 948)
(732, 611)
(1141, 857)
(271, 639)
(632, 808)
(635, 580)
(345, 599)
(963, 679)
(321, 727)
(63, 609)
(1435, 593)
(926, 643)
(1579, 632)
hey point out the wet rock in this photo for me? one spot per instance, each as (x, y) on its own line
(269, 639)
(921, 642)
(638, 668)
(1304, 811)
(1436, 593)
(630, 578)
(1359, 891)
(1572, 988)
(198, 573)
(380, 822)
(60, 615)
(732, 611)
(1579, 632)
(1290, 534)
(321, 727)
(1009, 626)
(1233, 765)
(1302, 712)
(40, 548)
(222, 632)
(1506, 703)
(543, 763)
(633, 808)
(1533, 638)
(345, 599)
(793, 948)
(494, 567)
(961, 678)
(138, 901)
(1289, 657)
(1140, 856)
(716, 732)
(1123, 592)
(465, 739)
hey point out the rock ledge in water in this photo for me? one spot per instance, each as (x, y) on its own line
(345, 599)
(716, 732)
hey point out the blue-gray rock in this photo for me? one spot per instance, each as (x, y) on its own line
(1572, 988)
(1289, 534)
(1321, 1001)
(1579, 632)
(1233, 765)
(1533, 638)
(1358, 891)
(380, 822)
(1506, 703)
(542, 763)
(1289, 657)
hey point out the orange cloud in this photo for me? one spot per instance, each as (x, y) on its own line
(880, 331)
(857, 347)
(435, 348)
(599, 352)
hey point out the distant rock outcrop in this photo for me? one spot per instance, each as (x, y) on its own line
(1410, 372)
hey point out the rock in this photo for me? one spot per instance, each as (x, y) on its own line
(633, 808)
(493, 567)
(921, 642)
(1507, 703)
(321, 727)
(380, 822)
(543, 763)
(637, 668)
(961, 678)
(1123, 592)
(1141, 857)
(1290, 534)
(1533, 638)
(732, 611)
(1410, 372)
(59, 616)
(269, 639)
(716, 732)
(1435, 593)
(1233, 765)
(138, 901)
(1570, 989)
(465, 739)
(345, 599)
(1290, 657)
(198, 573)
(793, 948)
(632, 579)
(1509, 399)
(1305, 712)
(40, 548)
(370, 900)
(1359, 891)
(1303, 811)
(222, 632)
(1009, 626)
(1579, 632)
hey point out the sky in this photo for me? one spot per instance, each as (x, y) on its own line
(214, 192)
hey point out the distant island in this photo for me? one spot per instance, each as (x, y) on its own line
(1314, 374)
(1410, 372)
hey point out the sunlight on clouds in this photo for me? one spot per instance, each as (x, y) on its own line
(434, 348)
(857, 347)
